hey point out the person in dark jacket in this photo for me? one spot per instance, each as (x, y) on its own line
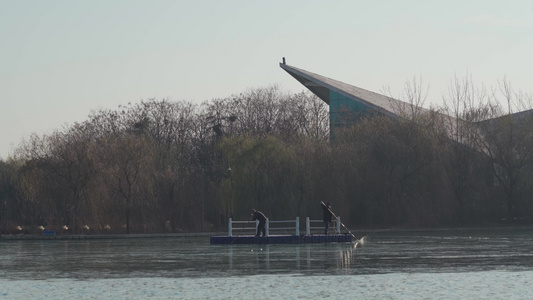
(257, 215)
(326, 215)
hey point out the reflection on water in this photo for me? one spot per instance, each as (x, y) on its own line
(383, 253)
(299, 257)
(167, 257)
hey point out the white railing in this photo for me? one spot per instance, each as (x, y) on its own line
(268, 226)
(242, 226)
(308, 227)
(295, 228)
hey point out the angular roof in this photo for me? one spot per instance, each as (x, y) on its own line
(320, 86)
(517, 118)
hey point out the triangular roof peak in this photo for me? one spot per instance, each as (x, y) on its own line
(321, 85)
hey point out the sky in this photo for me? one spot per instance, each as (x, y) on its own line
(61, 60)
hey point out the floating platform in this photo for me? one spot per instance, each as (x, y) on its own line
(280, 239)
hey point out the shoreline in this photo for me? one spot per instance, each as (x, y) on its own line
(359, 232)
(104, 236)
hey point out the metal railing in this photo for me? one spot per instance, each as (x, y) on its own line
(269, 226)
(309, 228)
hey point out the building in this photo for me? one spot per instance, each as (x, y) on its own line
(347, 102)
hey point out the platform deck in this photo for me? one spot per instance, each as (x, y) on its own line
(280, 239)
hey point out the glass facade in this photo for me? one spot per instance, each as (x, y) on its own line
(343, 110)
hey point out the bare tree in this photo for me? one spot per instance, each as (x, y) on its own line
(507, 139)
(464, 106)
(129, 170)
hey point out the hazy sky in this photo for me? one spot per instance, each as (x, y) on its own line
(61, 59)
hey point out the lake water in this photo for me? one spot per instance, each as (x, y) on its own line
(467, 264)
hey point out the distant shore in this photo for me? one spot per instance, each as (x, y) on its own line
(104, 236)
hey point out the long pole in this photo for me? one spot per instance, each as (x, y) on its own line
(333, 214)
(233, 239)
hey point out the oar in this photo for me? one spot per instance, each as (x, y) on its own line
(333, 214)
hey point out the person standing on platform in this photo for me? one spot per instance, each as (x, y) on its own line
(259, 216)
(326, 215)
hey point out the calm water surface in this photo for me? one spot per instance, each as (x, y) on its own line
(400, 265)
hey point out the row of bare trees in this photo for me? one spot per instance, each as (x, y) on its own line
(163, 166)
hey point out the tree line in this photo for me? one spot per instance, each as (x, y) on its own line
(166, 166)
